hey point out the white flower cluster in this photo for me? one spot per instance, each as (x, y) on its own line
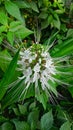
(37, 66)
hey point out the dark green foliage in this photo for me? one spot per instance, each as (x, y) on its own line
(22, 24)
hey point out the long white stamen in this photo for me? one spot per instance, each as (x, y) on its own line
(37, 66)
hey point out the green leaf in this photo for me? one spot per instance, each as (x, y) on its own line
(7, 126)
(23, 32)
(43, 15)
(3, 119)
(13, 10)
(50, 19)
(40, 2)
(56, 24)
(10, 37)
(16, 111)
(72, 126)
(5, 59)
(27, 5)
(61, 114)
(71, 90)
(17, 93)
(27, 93)
(34, 7)
(22, 4)
(50, 40)
(32, 106)
(70, 33)
(22, 109)
(1, 73)
(8, 75)
(66, 48)
(21, 125)
(53, 87)
(47, 121)
(58, 11)
(71, 7)
(19, 30)
(42, 98)
(3, 18)
(44, 24)
(56, 21)
(13, 94)
(33, 119)
(3, 29)
(66, 126)
(63, 28)
(45, 2)
(1, 39)
(15, 26)
(54, 128)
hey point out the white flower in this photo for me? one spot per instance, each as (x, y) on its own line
(41, 72)
(37, 66)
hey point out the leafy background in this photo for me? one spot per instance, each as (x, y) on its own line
(22, 23)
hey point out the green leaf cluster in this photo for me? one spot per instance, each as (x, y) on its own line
(23, 23)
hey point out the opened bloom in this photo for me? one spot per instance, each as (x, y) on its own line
(42, 72)
(37, 67)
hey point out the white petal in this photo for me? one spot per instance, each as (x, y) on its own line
(37, 68)
(48, 63)
(29, 71)
(35, 77)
